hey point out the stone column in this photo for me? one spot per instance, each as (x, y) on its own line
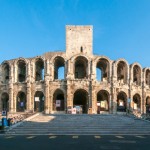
(14, 101)
(69, 96)
(29, 107)
(46, 107)
(11, 108)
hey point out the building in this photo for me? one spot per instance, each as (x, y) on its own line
(56, 80)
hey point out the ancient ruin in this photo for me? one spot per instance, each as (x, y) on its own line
(56, 80)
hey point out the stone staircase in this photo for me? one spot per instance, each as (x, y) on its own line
(82, 125)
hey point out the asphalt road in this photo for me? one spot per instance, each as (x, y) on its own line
(75, 142)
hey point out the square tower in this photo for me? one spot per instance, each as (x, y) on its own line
(79, 39)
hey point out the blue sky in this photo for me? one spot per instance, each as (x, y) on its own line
(32, 27)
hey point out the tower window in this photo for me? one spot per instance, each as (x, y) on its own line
(81, 49)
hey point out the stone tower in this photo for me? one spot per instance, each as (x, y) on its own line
(79, 39)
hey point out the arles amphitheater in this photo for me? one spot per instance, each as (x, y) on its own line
(54, 81)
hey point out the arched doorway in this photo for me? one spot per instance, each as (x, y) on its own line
(102, 70)
(102, 101)
(59, 68)
(81, 98)
(39, 69)
(121, 102)
(81, 68)
(5, 101)
(58, 100)
(6, 72)
(137, 75)
(148, 105)
(21, 71)
(39, 101)
(137, 102)
(122, 72)
(21, 102)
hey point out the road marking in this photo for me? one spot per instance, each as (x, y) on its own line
(30, 137)
(75, 137)
(122, 141)
(9, 137)
(139, 136)
(52, 137)
(120, 137)
(97, 137)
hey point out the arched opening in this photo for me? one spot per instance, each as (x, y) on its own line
(21, 71)
(59, 68)
(122, 72)
(21, 102)
(102, 101)
(5, 101)
(5, 72)
(58, 100)
(39, 101)
(81, 67)
(81, 99)
(147, 105)
(137, 75)
(137, 102)
(39, 70)
(102, 70)
(121, 102)
(147, 77)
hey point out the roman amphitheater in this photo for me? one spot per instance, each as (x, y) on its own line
(54, 81)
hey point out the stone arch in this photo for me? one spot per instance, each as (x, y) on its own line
(58, 100)
(39, 100)
(81, 98)
(39, 69)
(59, 67)
(122, 70)
(121, 101)
(21, 70)
(146, 72)
(147, 105)
(103, 97)
(102, 68)
(136, 73)
(5, 101)
(81, 67)
(5, 72)
(21, 102)
(136, 102)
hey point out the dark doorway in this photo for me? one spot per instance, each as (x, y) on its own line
(39, 101)
(121, 102)
(5, 101)
(58, 100)
(21, 102)
(102, 101)
(81, 98)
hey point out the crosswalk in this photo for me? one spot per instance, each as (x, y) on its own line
(78, 136)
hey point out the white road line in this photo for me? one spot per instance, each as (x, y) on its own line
(120, 137)
(52, 137)
(139, 136)
(75, 137)
(9, 137)
(122, 141)
(97, 137)
(30, 137)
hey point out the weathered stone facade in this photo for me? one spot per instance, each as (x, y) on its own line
(37, 84)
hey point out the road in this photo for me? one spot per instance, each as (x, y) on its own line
(75, 142)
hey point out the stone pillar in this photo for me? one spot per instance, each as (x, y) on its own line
(11, 108)
(14, 101)
(114, 100)
(69, 95)
(46, 107)
(29, 106)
